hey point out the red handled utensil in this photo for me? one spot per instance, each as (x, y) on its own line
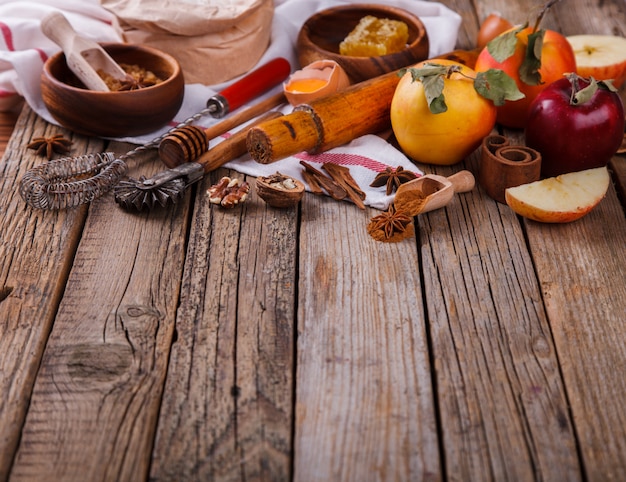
(249, 87)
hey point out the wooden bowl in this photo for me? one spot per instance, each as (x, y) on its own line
(321, 34)
(114, 114)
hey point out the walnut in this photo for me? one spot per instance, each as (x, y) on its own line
(228, 192)
(279, 191)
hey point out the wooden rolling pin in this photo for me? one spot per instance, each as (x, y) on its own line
(325, 123)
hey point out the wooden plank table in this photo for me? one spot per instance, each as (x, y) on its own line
(197, 343)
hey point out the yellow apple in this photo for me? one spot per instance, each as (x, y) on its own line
(442, 138)
(559, 199)
(600, 56)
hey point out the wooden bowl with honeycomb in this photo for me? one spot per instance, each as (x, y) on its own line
(322, 34)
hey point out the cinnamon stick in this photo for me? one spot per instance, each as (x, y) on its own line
(504, 165)
(313, 183)
(341, 175)
(335, 190)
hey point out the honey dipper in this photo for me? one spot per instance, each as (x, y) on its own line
(431, 191)
(189, 142)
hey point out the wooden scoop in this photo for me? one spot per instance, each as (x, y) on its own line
(431, 191)
(84, 57)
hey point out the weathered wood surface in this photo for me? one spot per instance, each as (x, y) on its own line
(364, 388)
(105, 360)
(228, 401)
(203, 344)
(36, 253)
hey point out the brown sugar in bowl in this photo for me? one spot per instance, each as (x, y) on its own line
(321, 34)
(114, 114)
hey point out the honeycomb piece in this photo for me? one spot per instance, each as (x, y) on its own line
(375, 36)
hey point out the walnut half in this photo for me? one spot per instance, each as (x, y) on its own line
(228, 192)
(279, 191)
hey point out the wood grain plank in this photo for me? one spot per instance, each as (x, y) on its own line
(227, 410)
(99, 386)
(364, 401)
(582, 272)
(590, 16)
(504, 413)
(7, 125)
(36, 253)
(503, 407)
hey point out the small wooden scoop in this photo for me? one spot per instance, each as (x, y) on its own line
(84, 57)
(431, 191)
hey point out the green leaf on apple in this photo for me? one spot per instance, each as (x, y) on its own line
(431, 76)
(529, 70)
(433, 89)
(503, 46)
(608, 85)
(497, 86)
(585, 94)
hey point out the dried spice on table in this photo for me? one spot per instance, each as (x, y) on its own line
(411, 200)
(391, 226)
(341, 175)
(136, 78)
(392, 178)
(48, 146)
(317, 178)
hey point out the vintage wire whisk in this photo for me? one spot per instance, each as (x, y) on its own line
(71, 181)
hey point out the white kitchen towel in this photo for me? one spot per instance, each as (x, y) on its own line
(24, 49)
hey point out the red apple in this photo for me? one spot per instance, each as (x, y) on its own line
(513, 52)
(576, 124)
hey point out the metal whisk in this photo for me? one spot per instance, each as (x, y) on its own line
(50, 185)
(71, 181)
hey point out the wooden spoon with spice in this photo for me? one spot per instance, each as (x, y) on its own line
(431, 191)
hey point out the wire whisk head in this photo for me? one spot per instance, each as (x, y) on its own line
(71, 181)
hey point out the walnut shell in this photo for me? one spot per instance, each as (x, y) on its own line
(279, 191)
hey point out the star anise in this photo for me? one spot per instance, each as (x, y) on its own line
(49, 145)
(135, 83)
(392, 178)
(391, 226)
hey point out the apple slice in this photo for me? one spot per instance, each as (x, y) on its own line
(559, 199)
(600, 56)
